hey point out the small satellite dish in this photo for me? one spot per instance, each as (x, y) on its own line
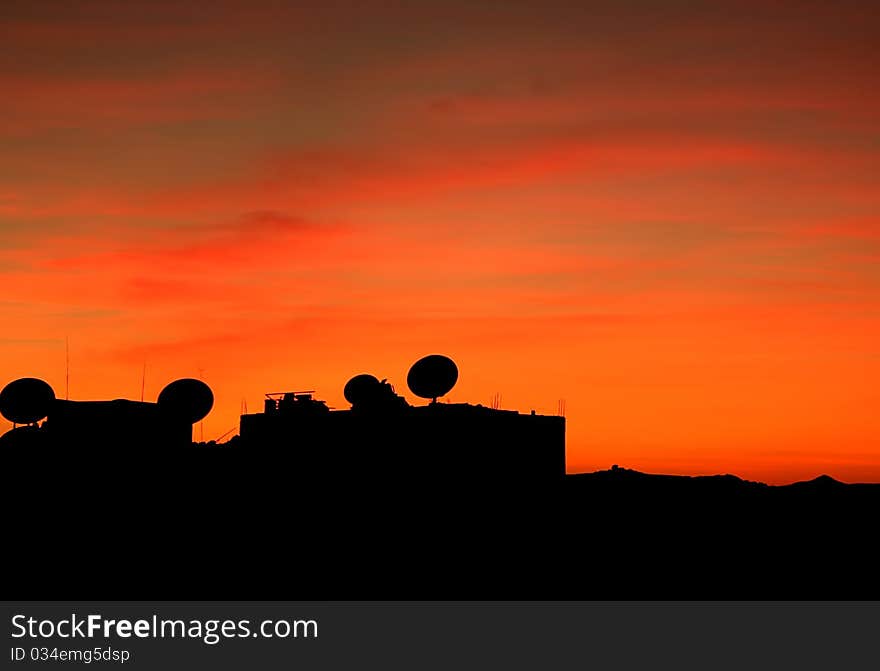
(187, 399)
(26, 400)
(361, 388)
(432, 376)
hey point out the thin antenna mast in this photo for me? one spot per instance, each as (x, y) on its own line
(202, 422)
(143, 380)
(222, 436)
(66, 368)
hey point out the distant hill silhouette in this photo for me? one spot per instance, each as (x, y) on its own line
(213, 528)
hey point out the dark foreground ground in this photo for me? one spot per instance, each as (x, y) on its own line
(223, 527)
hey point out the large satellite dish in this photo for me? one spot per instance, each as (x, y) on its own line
(361, 389)
(432, 376)
(187, 399)
(26, 400)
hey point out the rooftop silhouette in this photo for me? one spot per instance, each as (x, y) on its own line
(391, 500)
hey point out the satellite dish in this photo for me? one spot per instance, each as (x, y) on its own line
(26, 400)
(361, 388)
(187, 399)
(432, 376)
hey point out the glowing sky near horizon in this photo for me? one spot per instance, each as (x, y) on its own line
(667, 216)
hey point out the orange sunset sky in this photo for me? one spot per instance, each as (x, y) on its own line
(664, 213)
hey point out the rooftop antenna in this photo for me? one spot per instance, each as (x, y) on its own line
(201, 421)
(223, 435)
(66, 368)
